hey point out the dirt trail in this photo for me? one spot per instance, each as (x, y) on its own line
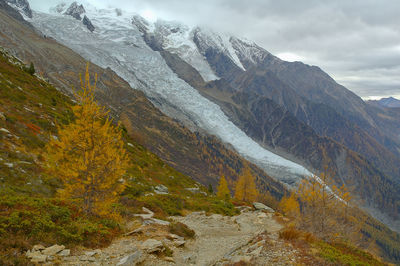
(250, 237)
(218, 237)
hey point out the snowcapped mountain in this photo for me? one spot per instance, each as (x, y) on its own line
(119, 42)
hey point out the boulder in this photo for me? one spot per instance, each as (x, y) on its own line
(53, 250)
(132, 259)
(262, 207)
(152, 245)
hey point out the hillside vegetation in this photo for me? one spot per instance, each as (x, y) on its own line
(29, 211)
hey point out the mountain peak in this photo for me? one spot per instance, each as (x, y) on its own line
(75, 11)
(389, 102)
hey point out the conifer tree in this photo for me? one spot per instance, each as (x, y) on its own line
(290, 206)
(223, 191)
(325, 211)
(31, 69)
(89, 155)
(246, 189)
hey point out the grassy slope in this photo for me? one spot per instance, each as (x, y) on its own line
(29, 213)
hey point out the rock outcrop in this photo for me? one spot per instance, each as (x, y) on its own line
(22, 5)
(76, 11)
(86, 21)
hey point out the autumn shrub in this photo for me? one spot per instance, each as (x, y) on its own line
(290, 233)
(181, 229)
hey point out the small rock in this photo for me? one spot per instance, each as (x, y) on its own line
(64, 253)
(4, 130)
(136, 231)
(93, 252)
(152, 245)
(38, 248)
(149, 214)
(161, 189)
(169, 259)
(131, 259)
(179, 243)
(31, 254)
(155, 221)
(245, 259)
(261, 207)
(191, 258)
(173, 236)
(53, 250)
(256, 252)
(39, 259)
(194, 190)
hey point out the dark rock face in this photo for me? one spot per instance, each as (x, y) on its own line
(220, 63)
(86, 21)
(75, 11)
(23, 5)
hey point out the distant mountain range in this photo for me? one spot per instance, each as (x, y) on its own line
(222, 93)
(389, 102)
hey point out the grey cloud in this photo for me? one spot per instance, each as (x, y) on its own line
(358, 38)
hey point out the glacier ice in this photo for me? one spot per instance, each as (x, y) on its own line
(117, 44)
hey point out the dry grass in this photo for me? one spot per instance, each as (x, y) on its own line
(290, 233)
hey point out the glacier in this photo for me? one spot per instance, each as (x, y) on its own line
(119, 44)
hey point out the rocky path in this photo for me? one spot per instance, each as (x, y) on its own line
(218, 237)
(251, 237)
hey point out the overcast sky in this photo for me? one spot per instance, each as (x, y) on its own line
(357, 42)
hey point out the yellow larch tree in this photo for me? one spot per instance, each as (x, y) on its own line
(290, 206)
(223, 191)
(246, 189)
(89, 155)
(326, 211)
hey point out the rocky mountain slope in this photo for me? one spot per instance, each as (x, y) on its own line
(275, 115)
